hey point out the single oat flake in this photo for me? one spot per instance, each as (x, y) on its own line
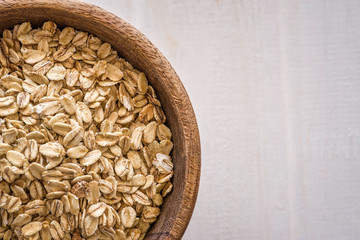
(85, 152)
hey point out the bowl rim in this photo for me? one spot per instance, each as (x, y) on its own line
(183, 108)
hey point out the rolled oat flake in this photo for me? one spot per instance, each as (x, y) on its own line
(85, 152)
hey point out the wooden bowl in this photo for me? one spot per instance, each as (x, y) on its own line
(138, 50)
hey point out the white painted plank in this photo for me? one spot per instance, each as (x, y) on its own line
(275, 88)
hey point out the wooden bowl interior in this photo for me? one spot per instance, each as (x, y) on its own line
(134, 47)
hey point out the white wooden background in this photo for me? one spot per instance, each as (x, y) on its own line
(276, 89)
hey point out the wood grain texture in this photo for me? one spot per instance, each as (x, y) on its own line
(137, 49)
(275, 87)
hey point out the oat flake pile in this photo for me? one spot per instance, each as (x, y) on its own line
(84, 149)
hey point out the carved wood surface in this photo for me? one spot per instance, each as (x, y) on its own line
(138, 50)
